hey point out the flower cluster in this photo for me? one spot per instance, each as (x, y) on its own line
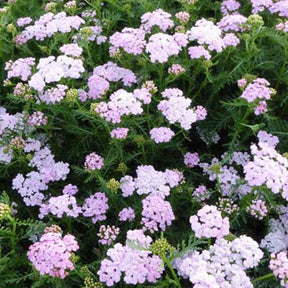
(230, 6)
(223, 265)
(161, 46)
(268, 167)
(131, 40)
(37, 119)
(161, 134)
(176, 108)
(157, 213)
(257, 92)
(278, 264)
(209, 223)
(257, 209)
(191, 159)
(21, 68)
(34, 183)
(157, 18)
(53, 69)
(121, 103)
(49, 24)
(127, 214)
(95, 206)
(93, 162)
(119, 133)
(51, 254)
(130, 258)
(107, 234)
(60, 205)
(150, 181)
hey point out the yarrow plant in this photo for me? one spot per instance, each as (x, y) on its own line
(154, 133)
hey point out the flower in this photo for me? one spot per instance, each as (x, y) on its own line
(93, 162)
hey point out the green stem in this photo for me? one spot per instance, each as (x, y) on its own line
(175, 277)
(267, 276)
(209, 243)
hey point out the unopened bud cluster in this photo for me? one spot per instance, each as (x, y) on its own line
(162, 248)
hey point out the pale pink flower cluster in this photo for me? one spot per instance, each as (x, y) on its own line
(113, 73)
(191, 159)
(260, 5)
(230, 6)
(20, 68)
(143, 94)
(121, 103)
(53, 95)
(176, 69)
(93, 162)
(53, 69)
(267, 168)
(223, 265)
(23, 21)
(34, 183)
(161, 46)
(107, 234)
(127, 185)
(278, 264)
(259, 88)
(197, 52)
(157, 18)
(257, 209)
(242, 83)
(22, 90)
(161, 134)
(226, 206)
(17, 143)
(156, 213)
(49, 24)
(71, 50)
(70, 189)
(60, 205)
(96, 206)
(8, 122)
(200, 193)
(37, 119)
(98, 86)
(257, 92)
(71, 4)
(119, 133)
(151, 181)
(267, 138)
(231, 39)
(261, 108)
(127, 260)
(233, 23)
(137, 239)
(280, 7)
(183, 17)
(205, 32)
(282, 26)
(209, 223)
(126, 214)
(131, 40)
(201, 113)
(176, 108)
(51, 255)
